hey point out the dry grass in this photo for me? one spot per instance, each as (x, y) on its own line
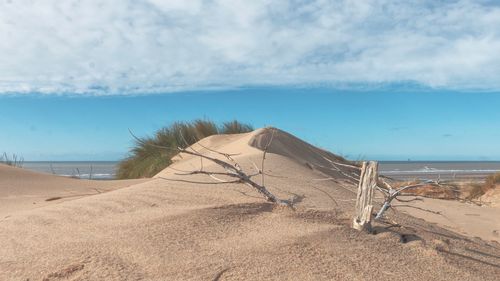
(147, 159)
(492, 181)
(476, 190)
(469, 190)
(15, 160)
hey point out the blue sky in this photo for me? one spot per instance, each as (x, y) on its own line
(381, 79)
(391, 123)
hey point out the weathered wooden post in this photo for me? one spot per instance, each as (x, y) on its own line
(367, 183)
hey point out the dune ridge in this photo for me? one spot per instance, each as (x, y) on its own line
(172, 227)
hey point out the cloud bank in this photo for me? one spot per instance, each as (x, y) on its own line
(147, 46)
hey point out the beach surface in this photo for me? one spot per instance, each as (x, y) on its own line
(22, 189)
(181, 226)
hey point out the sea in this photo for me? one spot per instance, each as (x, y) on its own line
(401, 170)
(101, 170)
(434, 170)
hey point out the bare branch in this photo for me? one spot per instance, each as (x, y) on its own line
(220, 180)
(265, 152)
(324, 179)
(199, 182)
(335, 168)
(326, 193)
(422, 209)
(409, 200)
(341, 164)
(391, 194)
(233, 170)
(256, 168)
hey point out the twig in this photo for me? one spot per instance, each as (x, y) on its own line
(219, 274)
(227, 155)
(256, 168)
(419, 208)
(264, 154)
(391, 194)
(337, 170)
(233, 170)
(199, 182)
(326, 193)
(410, 200)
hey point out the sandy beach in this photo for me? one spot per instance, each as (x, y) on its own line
(249, 140)
(193, 227)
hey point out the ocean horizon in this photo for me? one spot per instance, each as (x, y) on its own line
(96, 170)
(106, 170)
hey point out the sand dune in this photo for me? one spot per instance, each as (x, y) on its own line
(492, 197)
(22, 189)
(192, 227)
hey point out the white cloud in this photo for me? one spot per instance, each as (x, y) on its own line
(139, 46)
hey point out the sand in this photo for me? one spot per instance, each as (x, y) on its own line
(22, 189)
(492, 197)
(465, 218)
(179, 227)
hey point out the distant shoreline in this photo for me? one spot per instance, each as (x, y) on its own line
(445, 170)
(96, 170)
(400, 170)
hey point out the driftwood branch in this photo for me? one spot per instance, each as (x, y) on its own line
(368, 182)
(199, 182)
(364, 207)
(231, 167)
(335, 166)
(234, 170)
(391, 193)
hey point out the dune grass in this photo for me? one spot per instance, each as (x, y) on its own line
(146, 159)
(15, 160)
(477, 190)
(492, 181)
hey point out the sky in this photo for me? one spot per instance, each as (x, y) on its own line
(368, 79)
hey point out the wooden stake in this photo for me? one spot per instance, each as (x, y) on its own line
(367, 183)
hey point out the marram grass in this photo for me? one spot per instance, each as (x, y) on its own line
(146, 159)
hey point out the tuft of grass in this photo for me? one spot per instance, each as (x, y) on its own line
(492, 181)
(235, 127)
(477, 190)
(146, 159)
(14, 161)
